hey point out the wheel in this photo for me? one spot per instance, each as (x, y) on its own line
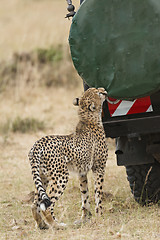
(144, 182)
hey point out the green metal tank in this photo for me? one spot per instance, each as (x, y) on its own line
(115, 44)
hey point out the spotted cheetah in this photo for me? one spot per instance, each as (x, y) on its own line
(53, 157)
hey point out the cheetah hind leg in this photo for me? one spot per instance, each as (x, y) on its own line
(37, 213)
(48, 214)
(86, 214)
(99, 179)
(56, 187)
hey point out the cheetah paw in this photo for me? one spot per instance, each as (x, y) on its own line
(81, 221)
(60, 226)
(42, 226)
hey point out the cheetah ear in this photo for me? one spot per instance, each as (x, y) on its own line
(92, 107)
(76, 102)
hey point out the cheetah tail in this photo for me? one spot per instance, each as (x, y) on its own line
(35, 167)
(45, 203)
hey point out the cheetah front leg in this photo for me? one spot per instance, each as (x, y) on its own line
(86, 214)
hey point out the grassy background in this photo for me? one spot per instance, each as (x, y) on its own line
(37, 86)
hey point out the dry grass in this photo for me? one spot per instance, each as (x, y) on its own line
(24, 26)
(123, 217)
(45, 67)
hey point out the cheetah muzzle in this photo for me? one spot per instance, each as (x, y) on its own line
(53, 157)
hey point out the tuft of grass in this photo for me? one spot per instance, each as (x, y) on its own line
(27, 125)
(22, 125)
(50, 55)
(49, 67)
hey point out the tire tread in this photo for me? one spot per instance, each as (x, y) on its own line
(146, 189)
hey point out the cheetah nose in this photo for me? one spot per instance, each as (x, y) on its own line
(105, 93)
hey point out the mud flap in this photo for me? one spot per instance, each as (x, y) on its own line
(132, 151)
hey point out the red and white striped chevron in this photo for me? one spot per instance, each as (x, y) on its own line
(121, 107)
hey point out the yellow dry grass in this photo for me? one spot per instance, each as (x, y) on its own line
(123, 218)
(26, 25)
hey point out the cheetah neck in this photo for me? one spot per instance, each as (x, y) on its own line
(89, 126)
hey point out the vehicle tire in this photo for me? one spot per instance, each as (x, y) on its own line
(144, 182)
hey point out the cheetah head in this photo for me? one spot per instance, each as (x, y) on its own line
(90, 104)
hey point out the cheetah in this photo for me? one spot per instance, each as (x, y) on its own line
(53, 157)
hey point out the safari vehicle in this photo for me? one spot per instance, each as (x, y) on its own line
(116, 45)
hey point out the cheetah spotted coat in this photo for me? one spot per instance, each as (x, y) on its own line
(53, 157)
